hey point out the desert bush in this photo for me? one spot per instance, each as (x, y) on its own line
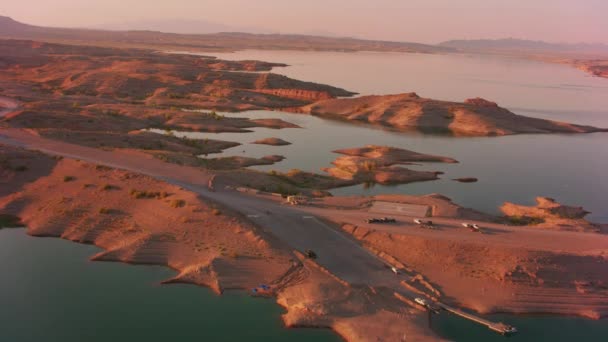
(108, 187)
(524, 220)
(139, 194)
(69, 178)
(102, 168)
(177, 203)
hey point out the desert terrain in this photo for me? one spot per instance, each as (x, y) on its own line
(473, 117)
(78, 121)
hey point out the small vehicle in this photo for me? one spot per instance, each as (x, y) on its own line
(510, 330)
(473, 227)
(421, 301)
(395, 270)
(424, 224)
(421, 222)
(310, 254)
(381, 220)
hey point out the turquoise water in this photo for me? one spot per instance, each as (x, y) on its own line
(569, 168)
(51, 292)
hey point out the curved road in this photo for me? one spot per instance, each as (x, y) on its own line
(337, 252)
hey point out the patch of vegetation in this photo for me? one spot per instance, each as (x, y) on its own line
(105, 211)
(69, 178)
(9, 221)
(285, 192)
(177, 203)
(102, 168)
(108, 187)
(141, 194)
(524, 220)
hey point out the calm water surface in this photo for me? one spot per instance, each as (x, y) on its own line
(570, 168)
(51, 292)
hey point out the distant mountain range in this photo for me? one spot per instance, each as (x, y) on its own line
(524, 46)
(176, 26)
(10, 28)
(202, 36)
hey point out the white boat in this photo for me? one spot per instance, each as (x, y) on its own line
(421, 301)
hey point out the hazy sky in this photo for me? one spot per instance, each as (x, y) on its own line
(428, 21)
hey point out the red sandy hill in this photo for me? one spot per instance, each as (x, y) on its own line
(477, 117)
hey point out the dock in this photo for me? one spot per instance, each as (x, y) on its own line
(498, 327)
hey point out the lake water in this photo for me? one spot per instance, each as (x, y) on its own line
(51, 292)
(569, 168)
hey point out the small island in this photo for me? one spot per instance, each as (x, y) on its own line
(473, 117)
(272, 142)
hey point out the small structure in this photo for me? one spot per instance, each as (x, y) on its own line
(499, 327)
(297, 200)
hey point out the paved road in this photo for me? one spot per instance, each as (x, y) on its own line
(336, 251)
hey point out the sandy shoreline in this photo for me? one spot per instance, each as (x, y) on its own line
(376, 240)
(151, 198)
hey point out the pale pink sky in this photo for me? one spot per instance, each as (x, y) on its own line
(428, 21)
